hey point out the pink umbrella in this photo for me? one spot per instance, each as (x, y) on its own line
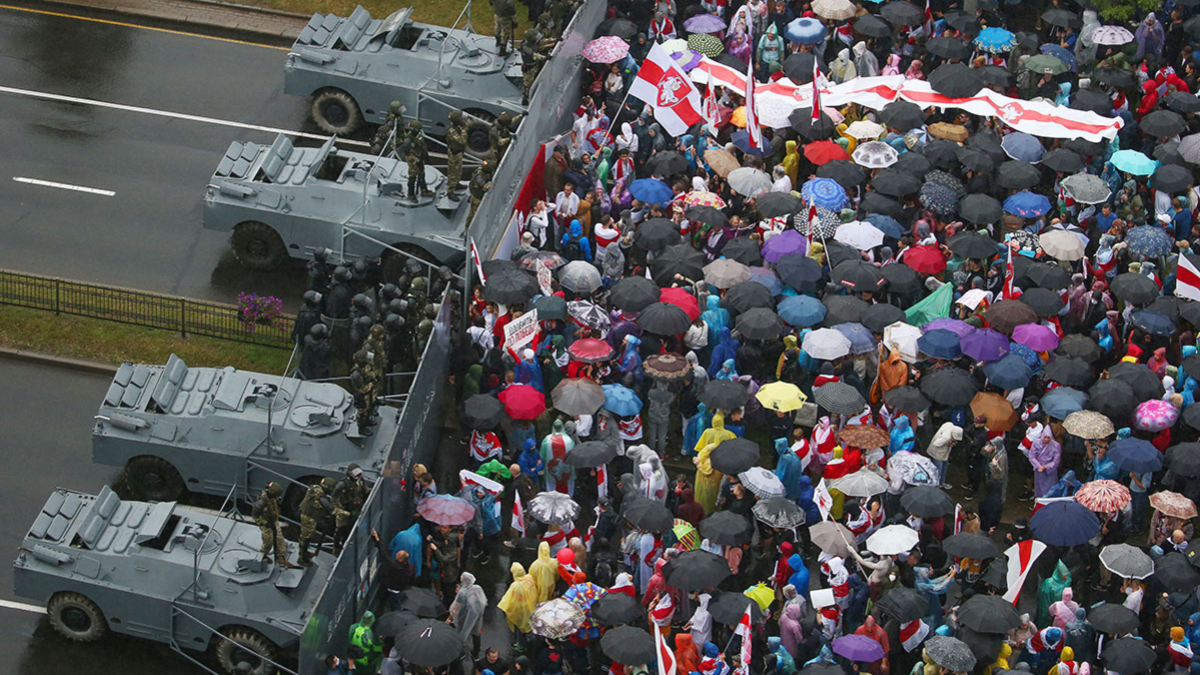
(1155, 415)
(1037, 337)
(607, 49)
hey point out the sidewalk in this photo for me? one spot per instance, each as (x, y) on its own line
(201, 13)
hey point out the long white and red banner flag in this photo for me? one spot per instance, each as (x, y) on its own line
(1020, 561)
(666, 88)
(1187, 280)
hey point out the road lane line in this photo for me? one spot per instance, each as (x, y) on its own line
(167, 113)
(65, 186)
(9, 604)
(135, 25)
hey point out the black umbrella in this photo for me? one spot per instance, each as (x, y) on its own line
(1182, 102)
(1017, 175)
(744, 249)
(393, 623)
(983, 646)
(696, 570)
(840, 398)
(1142, 380)
(550, 307)
(895, 183)
(926, 501)
(1175, 573)
(873, 202)
(1167, 306)
(1136, 288)
(800, 272)
(1080, 347)
(615, 609)
(996, 76)
(960, 20)
(1043, 301)
(858, 275)
(1190, 312)
(667, 163)
(948, 48)
(990, 144)
(1191, 417)
(970, 545)
(778, 512)
(973, 159)
(900, 13)
(1163, 124)
(871, 26)
(1168, 153)
(591, 454)
(942, 153)
(1113, 619)
(648, 515)
(734, 455)
(955, 79)
(773, 204)
(837, 253)
(656, 234)
(972, 245)
(988, 614)
(1153, 322)
(747, 295)
(1115, 77)
(1061, 18)
(949, 386)
(902, 115)
(628, 646)
(904, 604)
(902, 279)
(622, 28)
(843, 309)
(1085, 147)
(799, 67)
(1046, 275)
(1063, 161)
(497, 265)
(422, 602)
(881, 315)
(1171, 177)
(907, 399)
(1113, 399)
(682, 260)
(847, 174)
(1184, 459)
(510, 287)
(635, 293)
(724, 395)
(707, 215)
(429, 643)
(1069, 371)
(727, 528)
(759, 324)
(1092, 100)
(663, 318)
(801, 120)
(483, 411)
(728, 608)
(1128, 655)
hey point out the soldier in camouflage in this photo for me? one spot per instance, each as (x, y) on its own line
(384, 142)
(500, 135)
(415, 156)
(533, 57)
(266, 515)
(506, 14)
(316, 505)
(481, 182)
(349, 496)
(456, 145)
(362, 385)
(377, 346)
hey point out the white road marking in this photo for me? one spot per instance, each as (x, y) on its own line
(8, 604)
(65, 186)
(167, 113)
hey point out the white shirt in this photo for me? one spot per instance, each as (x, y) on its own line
(566, 205)
(536, 224)
(783, 184)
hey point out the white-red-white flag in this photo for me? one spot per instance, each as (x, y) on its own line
(712, 110)
(1009, 273)
(743, 629)
(1187, 280)
(913, 633)
(752, 128)
(662, 83)
(823, 499)
(518, 514)
(1020, 560)
(816, 96)
(602, 480)
(478, 264)
(663, 610)
(958, 518)
(928, 25)
(666, 657)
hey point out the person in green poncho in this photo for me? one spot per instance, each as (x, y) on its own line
(1051, 592)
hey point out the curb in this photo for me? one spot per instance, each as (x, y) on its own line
(79, 365)
(252, 8)
(232, 24)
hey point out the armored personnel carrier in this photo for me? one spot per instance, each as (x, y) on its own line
(281, 201)
(354, 67)
(166, 572)
(177, 429)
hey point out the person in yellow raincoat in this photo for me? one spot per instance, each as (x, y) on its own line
(851, 142)
(518, 603)
(544, 571)
(791, 161)
(708, 479)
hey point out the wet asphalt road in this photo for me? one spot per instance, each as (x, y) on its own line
(148, 235)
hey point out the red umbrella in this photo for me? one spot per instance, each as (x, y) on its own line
(822, 152)
(523, 402)
(681, 299)
(925, 259)
(590, 350)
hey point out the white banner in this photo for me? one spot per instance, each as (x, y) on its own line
(521, 330)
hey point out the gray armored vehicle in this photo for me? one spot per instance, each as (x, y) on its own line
(208, 430)
(166, 572)
(281, 201)
(353, 68)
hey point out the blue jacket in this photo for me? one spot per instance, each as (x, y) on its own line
(576, 234)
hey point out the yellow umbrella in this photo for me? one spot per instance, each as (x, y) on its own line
(739, 117)
(781, 396)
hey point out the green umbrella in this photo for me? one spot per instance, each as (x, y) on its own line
(1046, 64)
(936, 306)
(708, 45)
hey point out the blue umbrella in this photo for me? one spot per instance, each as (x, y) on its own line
(1063, 401)
(940, 344)
(651, 191)
(861, 340)
(1154, 323)
(1134, 162)
(766, 277)
(824, 192)
(1023, 147)
(886, 224)
(805, 31)
(1136, 455)
(1149, 241)
(1064, 524)
(801, 310)
(1027, 355)
(742, 140)
(621, 400)
(984, 344)
(1027, 204)
(1010, 372)
(995, 40)
(1061, 54)
(939, 198)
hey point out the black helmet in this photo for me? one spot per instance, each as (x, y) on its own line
(388, 291)
(445, 272)
(361, 357)
(321, 254)
(364, 322)
(414, 125)
(360, 268)
(274, 489)
(394, 322)
(431, 311)
(397, 306)
(362, 301)
(312, 297)
(319, 331)
(413, 267)
(341, 273)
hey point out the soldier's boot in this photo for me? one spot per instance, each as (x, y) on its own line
(453, 195)
(364, 429)
(426, 192)
(413, 198)
(285, 564)
(305, 557)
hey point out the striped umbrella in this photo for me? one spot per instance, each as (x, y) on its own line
(1103, 496)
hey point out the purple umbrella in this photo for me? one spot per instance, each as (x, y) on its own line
(959, 328)
(858, 648)
(984, 345)
(704, 23)
(687, 59)
(788, 242)
(1037, 337)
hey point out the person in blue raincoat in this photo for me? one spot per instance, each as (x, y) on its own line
(715, 317)
(728, 371)
(527, 369)
(902, 436)
(574, 245)
(530, 461)
(631, 361)
(799, 577)
(789, 470)
(695, 425)
(812, 513)
(725, 349)
(409, 540)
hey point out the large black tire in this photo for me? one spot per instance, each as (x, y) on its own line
(479, 135)
(76, 618)
(258, 246)
(336, 112)
(244, 644)
(153, 479)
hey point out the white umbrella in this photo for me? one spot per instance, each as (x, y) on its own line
(892, 540)
(912, 469)
(826, 344)
(579, 276)
(749, 181)
(836, 10)
(1061, 244)
(861, 483)
(553, 508)
(1111, 35)
(865, 129)
(1087, 188)
(1127, 561)
(761, 482)
(875, 155)
(860, 235)
(902, 337)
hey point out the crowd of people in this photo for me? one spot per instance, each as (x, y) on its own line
(859, 388)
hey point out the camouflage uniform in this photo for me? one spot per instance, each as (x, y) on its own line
(362, 385)
(349, 495)
(394, 120)
(316, 505)
(533, 57)
(415, 156)
(481, 182)
(456, 144)
(505, 12)
(378, 348)
(266, 515)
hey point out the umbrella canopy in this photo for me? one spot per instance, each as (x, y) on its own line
(984, 345)
(621, 400)
(862, 236)
(696, 570)
(446, 510)
(1184, 459)
(720, 161)
(1043, 301)
(1103, 496)
(826, 344)
(1063, 160)
(773, 204)
(393, 623)
(1142, 380)
(422, 603)
(1017, 175)
(429, 643)
(858, 275)
(648, 515)
(668, 367)
(734, 456)
(972, 245)
(989, 614)
(1135, 455)
(1027, 204)
(749, 181)
(628, 645)
(727, 528)
(875, 155)
(833, 538)
(663, 319)
(615, 609)
(926, 501)
(1006, 315)
(682, 299)
(1063, 401)
(949, 386)
(759, 324)
(999, 413)
(704, 23)
(825, 193)
(906, 399)
(724, 395)
(635, 293)
(1128, 655)
(1062, 245)
(590, 350)
(858, 648)
(1087, 188)
(1163, 124)
(902, 115)
(955, 79)
(1112, 398)
(861, 483)
(510, 287)
(950, 653)
(805, 31)
(778, 512)
(801, 310)
(896, 183)
(550, 307)
(591, 454)
(1069, 371)
(1135, 288)
(939, 198)
(483, 411)
(1064, 524)
(556, 619)
(554, 508)
(786, 243)
(1037, 337)
(867, 436)
(1080, 347)
(531, 261)
(839, 398)
(523, 402)
(728, 609)
(1044, 275)
(622, 28)
(577, 396)
(872, 26)
(651, 191)
(1113, 618)
(1155, 415)
(1127, 562)
(892, 540)
(880, 316)
(1173, 504)
(655, 234)
(780, 396)
(925, 259)
(1175, 573)
(682, 260)
(900, 13)
(706, 44)
(761, 482)
(1046, 65)
(946, 131)
(1088, 424)
(970, 545)
(1010, 372)
(746, 250)
(1172, 177)
(724, 273)
(843, 309)
(1133, 162)
(903, 603)
(825, 152)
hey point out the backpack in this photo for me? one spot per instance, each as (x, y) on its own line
(570, 249)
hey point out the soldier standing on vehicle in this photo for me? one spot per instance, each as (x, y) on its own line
(319, 271)
(316, 505)
(500, 135)
(394, 323)
(377, 346)
(456, 144)
(266, 515)
(532, 60)
(506, 14)
(316, 359)
(415, 157)
(481, 182)
(362, 385)
(384, 142)
(349, 495)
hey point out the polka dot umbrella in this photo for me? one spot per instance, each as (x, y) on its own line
(706, 44)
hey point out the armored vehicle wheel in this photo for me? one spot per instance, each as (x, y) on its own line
(75, 617)
(244, 644)
(258, 246)
(336, 112)
(153, 479)
(479, 135)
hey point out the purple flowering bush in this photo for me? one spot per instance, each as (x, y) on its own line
(258, 310)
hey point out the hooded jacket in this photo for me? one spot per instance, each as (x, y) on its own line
(689, 509)
(575, 234)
